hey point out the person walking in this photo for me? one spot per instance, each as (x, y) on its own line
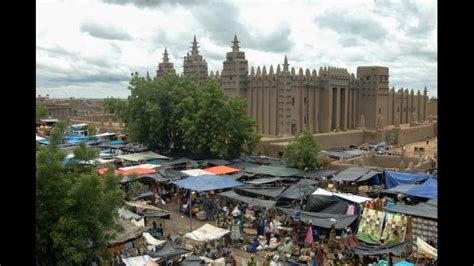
(332, 238)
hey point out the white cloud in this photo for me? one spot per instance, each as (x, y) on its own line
(89, 48)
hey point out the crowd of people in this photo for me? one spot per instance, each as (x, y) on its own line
(278, 237)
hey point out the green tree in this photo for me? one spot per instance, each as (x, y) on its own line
(41, 112)
(91, 130)
(220, 127)
(143, 116)
(240, 128)
(136, 188)
(114, 105)
(83, 155)
(74, 209)
(188, 114)
(60, 126)
(303, 152)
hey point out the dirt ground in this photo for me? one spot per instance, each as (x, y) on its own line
(429, 149)
(180, 223)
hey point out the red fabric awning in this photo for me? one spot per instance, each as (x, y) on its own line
(221, 170)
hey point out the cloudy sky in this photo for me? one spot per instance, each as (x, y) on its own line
(89, 48)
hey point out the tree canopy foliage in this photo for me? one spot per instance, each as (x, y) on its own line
(183, 113)
(92, 130)
(303, 152)
(114, 105)
(41, 112)
(75, 206)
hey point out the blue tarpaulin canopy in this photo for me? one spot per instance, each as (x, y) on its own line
(401, 189)
(429, 189)
(404, 263)
(393, 179)
(74, 141)
(117, 142)
(43, 141)
(77, 137)
(203, 183)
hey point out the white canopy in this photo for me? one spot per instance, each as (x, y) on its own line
(216, 262)
(38, 138)
(146, 166)
(353, 198)
(106, 134)
(50, 120)
(143, 205)
(136, 219)
(196, 172)
(207, 233)
(144, 260)
(139, 223)
(128, 214)
(324, 192)
(104, 161)
(151, 240)
(79, 125)
(425, 249)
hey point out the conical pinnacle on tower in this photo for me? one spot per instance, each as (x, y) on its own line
(186, 58)
(148, 75)
(278, 69)
(252, 71)
(285, 64)
(235, 44)
(165, 56)
(264, 71)
(271, 70)
(194, 50)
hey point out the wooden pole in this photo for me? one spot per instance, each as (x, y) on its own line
(190, 211)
